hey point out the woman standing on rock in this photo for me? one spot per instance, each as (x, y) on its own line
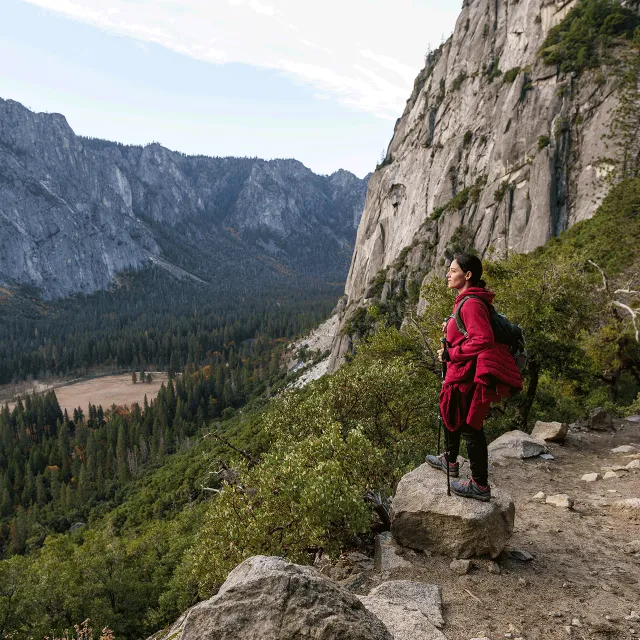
(479, 371)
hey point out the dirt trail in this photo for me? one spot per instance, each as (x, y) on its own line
(584, 579)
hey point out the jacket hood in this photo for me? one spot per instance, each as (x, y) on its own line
(486, 295)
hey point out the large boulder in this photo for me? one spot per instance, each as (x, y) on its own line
(516, 444)
(268, 598)
(424, 517)
(550, 431)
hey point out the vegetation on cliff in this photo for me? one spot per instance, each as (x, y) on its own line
(291, 478)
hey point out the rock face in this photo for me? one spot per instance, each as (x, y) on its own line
(516, 444)
(550, 431)
(516, 143)
(425, 518)
(268, 598)
(76, 211)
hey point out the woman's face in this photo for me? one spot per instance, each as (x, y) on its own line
(456, 278)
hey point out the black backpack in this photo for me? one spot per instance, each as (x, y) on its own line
(504, 331)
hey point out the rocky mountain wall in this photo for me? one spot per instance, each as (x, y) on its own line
(75, 211)
(494, 147)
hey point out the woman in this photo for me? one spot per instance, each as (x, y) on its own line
(479, 372)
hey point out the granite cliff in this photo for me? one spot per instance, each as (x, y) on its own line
(75, 211)
(495, 149)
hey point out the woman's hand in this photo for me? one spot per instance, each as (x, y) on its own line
(440, 352)
(444, 326)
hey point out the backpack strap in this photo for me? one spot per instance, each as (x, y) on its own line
(456, 316)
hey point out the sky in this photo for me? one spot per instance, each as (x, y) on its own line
(320, 82)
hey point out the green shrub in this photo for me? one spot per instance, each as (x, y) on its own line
(543, 142)
(589, 27)
(458, 80)
(510, 75)
(460, 200)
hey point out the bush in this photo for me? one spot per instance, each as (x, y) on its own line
(543, 142)
(588, 28)
(510, 75)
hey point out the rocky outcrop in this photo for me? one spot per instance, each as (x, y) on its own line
(425, 518)
(268, 598)
(494, 149)
(76, 211)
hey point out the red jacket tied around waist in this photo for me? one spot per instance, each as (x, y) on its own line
(479, 371)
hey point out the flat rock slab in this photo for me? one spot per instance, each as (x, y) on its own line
(550, 431)
(268, 598)
(624, 448)
(516, 444)
(590, 477)
(404, 620)
(424, 517)
(426, 598)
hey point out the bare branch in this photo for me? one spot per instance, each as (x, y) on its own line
(634, 316)
(628, 291)
(244, 453)
(604, 277)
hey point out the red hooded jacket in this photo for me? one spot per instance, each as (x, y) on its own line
(479, 371)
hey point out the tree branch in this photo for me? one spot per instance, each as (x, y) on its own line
(604, 277)
(634, 316)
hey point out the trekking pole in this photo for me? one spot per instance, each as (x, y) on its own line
(446, 438)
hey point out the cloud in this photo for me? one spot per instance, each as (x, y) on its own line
(364, 53)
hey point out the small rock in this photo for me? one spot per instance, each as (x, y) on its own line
(632, 547)
(600, 420)
(629, 503)
(634, 464)
(546, 456)
(461, 567)
(519, 554)
(387, 555)
(494, 568)
(619, 467)
(591, 477)
(560, 500)
(624, 448)
(550, 431)
(516, 444)
(609, 475)
(523, 582)
(576, 622)
(569, 630)
(634, 616)
(541, 495)
(634, 419)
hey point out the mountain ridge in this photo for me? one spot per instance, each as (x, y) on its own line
(75, 211)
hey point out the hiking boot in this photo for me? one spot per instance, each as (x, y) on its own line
(471, 489)
(439, 462)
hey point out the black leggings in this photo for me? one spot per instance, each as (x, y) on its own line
(476, 449)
